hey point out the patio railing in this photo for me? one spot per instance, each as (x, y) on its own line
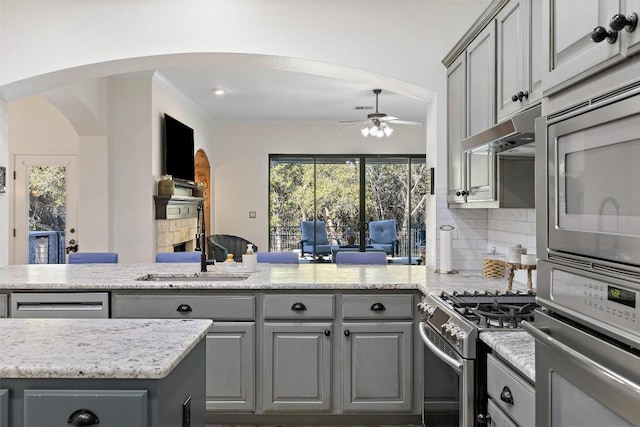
(287, 238)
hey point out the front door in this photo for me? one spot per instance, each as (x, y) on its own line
(45, 208)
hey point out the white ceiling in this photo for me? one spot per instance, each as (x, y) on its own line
(266, 95)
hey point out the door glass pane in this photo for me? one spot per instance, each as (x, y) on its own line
(417, 237)
(47, 214)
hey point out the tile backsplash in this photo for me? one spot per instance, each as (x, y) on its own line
(508, 227)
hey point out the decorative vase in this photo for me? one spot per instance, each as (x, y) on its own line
(351, 240)
(166, 186)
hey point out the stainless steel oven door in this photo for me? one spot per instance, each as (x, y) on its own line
(583, 379)
(592, 188)
(592, 298)
(441, 363)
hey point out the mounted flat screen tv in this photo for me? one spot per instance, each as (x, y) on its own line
(177, 153)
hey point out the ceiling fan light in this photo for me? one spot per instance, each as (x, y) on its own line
(374, 131)
(380, 134)
(388, 131)
(365, 132)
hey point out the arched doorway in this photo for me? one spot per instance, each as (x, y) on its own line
(203, 174)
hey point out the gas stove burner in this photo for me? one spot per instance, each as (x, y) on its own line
(501, 315)
(467, 299)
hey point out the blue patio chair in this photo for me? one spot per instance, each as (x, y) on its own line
(383, 235)
(191, 256)
(278, 257)
(317, 234)
(93, 258)
(378, 258)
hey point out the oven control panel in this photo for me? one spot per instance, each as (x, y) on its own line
(451, 327)
(615, 304)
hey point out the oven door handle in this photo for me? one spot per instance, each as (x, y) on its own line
(457, 366)
(606, 376)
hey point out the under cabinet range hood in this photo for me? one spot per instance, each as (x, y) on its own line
(514, 136)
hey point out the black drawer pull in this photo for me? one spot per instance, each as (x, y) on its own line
(327, 333)
(347, 333)
(378, 307)
(83, 417)
(184, 308)
(298, 307)
(506, 395)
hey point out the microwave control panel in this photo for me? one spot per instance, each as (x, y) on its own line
(614, 304)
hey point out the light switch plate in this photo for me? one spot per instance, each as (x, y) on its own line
(252, 214)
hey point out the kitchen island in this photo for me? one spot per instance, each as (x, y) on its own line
(104, 372)
(292, 344)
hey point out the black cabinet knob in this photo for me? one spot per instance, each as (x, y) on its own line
(184, 308)
(483, 419)
(462, 193)
(83, 417)
(619, 21)
(327, 333)
(378, 307)
(347, 333)
(601, 33)
(298, 307)
(506, 395)
(518, 97)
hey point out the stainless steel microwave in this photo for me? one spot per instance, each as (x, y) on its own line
(588, 182)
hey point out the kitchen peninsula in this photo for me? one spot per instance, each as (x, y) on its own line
(102, 372)
(289, 343)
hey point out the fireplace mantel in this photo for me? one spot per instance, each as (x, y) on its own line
(176, 207)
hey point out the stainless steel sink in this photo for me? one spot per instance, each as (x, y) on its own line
(198, 277)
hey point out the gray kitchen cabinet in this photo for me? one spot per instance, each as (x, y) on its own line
(573, 56)
(378, 366)
(230, 341)
(519, 57)
(513, 397)
(107, 408)
(297, 367)
(497, 418)
(481, 80)
(3, 306)
(231, 366)
(631, 41)
(456, 127)
(4, 408)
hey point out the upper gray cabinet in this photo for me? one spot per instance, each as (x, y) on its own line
(480, 81)
(519, 56)
(582, 41)
(456, 126)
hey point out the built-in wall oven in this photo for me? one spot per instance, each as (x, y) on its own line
(588, 241)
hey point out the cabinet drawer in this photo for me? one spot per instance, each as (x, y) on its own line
(4, 408)
(60, 305)
(378, 307)
(112, 408)
(498, 418)
(298, 306)
(504, 385)
(185, 306)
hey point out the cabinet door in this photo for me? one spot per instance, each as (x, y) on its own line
(631, 41)
(456, 126)
(230, 367)
(511, 68)
(297, 367)
(536, 51)
(480, 81)
(378, 368)
(573, 55)
(496, 417)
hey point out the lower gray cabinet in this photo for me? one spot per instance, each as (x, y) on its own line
(378, 366)
(4, 408)
(297, 367)
(231, 366)
(497, 417)
(106, 408)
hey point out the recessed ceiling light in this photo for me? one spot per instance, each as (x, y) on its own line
(218, 92)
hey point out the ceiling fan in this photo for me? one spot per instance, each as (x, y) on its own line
(377, 122)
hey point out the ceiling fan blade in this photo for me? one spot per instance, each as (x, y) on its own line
(405, 122)
(387, 118)
(353, 124)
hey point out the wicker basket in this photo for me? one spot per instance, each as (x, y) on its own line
(493, 268)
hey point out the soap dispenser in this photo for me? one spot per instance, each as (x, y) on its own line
(250, 259)
(229, 262)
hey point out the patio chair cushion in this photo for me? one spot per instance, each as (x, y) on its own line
(191, 256)
(383, 235)
(278, 257)
(379, 258)
(319, 236)
(93, 257)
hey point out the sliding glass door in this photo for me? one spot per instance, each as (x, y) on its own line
(345, 195)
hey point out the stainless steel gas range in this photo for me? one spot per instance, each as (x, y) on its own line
(451, 323)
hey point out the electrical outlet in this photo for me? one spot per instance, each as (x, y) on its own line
(186, 413)
(252, 214)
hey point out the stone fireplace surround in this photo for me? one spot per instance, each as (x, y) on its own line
(170, 232)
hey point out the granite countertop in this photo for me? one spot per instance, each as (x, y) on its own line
(268, 276)
(96, 348)
(517, 348)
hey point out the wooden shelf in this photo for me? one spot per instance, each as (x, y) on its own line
(176, 207)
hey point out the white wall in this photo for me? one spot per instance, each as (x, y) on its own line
(241, 165)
